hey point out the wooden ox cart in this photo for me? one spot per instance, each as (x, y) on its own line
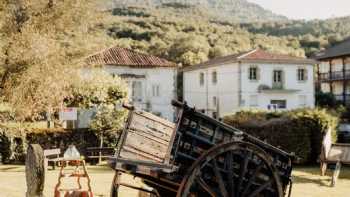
(198, 156)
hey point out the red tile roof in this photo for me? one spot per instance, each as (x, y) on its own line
(126, 57)
(254, 56)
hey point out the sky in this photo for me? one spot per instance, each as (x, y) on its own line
(307, 9)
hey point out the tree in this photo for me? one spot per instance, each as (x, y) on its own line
(190, 50)
(98, 90)
(43, 43)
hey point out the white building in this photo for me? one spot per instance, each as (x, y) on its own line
(151, 80)
(254, 79)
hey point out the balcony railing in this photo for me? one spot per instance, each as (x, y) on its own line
(337, 75)
(340, 97)
(277, 86)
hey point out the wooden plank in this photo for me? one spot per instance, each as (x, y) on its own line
(132, 154)
(326, 144)
(149, 146)
(336, 174)
(146, 138)
(148, 131)
(339, 153)
(152, 127)
(150, 137)
(49, 152)
(154, 118)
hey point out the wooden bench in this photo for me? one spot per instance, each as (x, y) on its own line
(52, 156)
(93, 153)
(335, 154)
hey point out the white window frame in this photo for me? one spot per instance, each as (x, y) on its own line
(156, 90)
(253, 76)
(139, 95)
(302, 74)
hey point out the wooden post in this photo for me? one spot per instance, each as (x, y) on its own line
(336, 173)
(330, 76)
(35, 171)
(115, 184)
(344, 83)
(323, 168)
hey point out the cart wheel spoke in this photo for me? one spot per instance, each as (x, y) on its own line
(243, 169)
(251, 179)
(206, 187)
(234, 169)
(229, 161)
(219, 179)
(260, 189)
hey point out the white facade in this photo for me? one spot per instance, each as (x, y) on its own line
(233, 90)
(150, 89)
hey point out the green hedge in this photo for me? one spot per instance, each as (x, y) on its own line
(13, 142)
(298, 131)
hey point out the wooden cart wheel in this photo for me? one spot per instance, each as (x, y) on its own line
(35, 171)
(236, 169)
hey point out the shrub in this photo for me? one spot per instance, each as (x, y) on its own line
(13, 142)
(325, 99)
(299, 131)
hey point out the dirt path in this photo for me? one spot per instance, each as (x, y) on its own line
(307, 182)
(13, 183)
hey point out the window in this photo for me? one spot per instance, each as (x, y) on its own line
(156, 90)
(277, 76)
(253, 73)
(277, 79)
(136, 91)
(214, 77)
(253, 100)
(302, 100)
(201, 79)
(302, 74)
(280, 104)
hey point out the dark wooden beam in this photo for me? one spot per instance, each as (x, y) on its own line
(330, 76)
(318, 83)
(344, 82)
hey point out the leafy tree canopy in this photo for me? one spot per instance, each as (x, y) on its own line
(42, 45)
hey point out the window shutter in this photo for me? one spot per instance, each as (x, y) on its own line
(257, 73)
(249, 73)
(298, 70)
(306, 74)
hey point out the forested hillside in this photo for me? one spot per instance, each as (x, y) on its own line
(312, 35)
(188, 35)
(232, 10)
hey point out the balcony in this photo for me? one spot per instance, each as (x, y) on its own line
(275, 88)
(335, 76)
(340, 98)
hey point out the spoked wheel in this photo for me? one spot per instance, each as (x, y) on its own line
(234, 169)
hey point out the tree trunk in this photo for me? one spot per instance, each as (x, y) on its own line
(101, 145)
(35, 172)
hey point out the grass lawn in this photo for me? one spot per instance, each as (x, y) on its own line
(307, 182)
